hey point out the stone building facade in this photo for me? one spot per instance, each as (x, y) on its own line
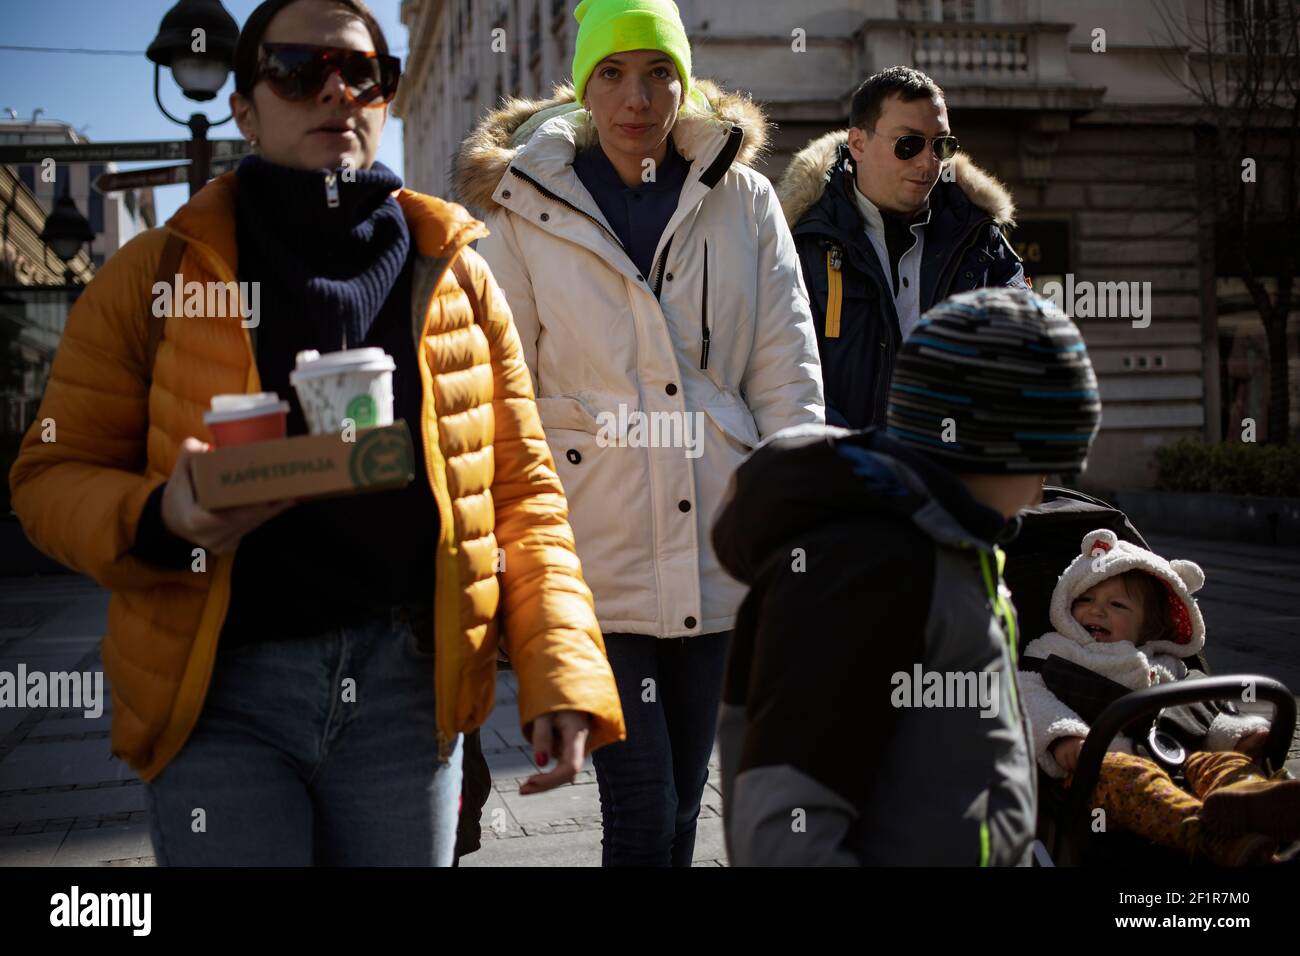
(114, 217)
(1077, 109)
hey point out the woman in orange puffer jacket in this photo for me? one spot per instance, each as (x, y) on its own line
(304, 672)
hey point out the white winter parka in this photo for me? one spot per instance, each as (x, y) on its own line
(611, 351)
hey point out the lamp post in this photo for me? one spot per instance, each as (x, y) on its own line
(66, 231)
(196, 41)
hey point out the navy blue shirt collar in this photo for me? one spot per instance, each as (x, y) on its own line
(593, 164)
(637, 214)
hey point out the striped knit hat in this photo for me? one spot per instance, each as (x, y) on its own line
(996, 381)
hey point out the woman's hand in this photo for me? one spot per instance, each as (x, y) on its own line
(1066, 752)
(563, 733)
(1252, 745)
(215, 531)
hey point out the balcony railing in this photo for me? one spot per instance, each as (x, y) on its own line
(972, 54)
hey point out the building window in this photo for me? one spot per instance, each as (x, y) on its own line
(1257, 26)
(959, 11)
(1245, 360)
(945, 11)
(535, 43)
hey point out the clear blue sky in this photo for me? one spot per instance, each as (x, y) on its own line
(110, 98)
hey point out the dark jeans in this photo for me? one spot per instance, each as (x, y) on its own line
(291, 770)
(651, 783)
(475, 789)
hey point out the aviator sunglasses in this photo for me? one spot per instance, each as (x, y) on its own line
(905, 147)
(298, 71)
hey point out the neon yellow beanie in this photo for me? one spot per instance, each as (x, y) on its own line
(606, 27)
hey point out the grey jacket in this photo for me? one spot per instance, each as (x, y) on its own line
(870, 712)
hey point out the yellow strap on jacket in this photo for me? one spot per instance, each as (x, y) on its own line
(834, 296)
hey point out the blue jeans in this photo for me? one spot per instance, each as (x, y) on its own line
(319, 750)
(651, 783)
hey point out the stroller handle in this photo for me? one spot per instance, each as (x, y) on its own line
(1143, 703)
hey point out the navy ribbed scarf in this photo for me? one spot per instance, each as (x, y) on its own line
(324, 272)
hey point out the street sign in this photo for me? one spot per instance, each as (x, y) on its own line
(139, 178)
(157, 176)
(24, 153)
(229, 149)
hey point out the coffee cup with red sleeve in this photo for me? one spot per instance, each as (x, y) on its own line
(245, 419)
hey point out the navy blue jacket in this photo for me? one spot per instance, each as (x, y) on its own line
(964, 249)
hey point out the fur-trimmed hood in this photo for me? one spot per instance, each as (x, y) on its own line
(805, 179)
(487, 152)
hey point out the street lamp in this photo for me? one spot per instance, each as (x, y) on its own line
(66, 231)
(196, 41)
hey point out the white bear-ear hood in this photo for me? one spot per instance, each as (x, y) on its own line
(1102, 555)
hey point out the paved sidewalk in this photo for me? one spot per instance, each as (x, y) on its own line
(64, 800)
(560, 827)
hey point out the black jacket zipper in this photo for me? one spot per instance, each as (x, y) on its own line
(704, 310)
(658, 277)
(568, 205)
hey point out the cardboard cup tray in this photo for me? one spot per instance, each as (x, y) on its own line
(305, 466)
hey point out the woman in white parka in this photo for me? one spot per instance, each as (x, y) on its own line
(657, 292)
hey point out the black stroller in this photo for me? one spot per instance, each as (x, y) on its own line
(1048, 540)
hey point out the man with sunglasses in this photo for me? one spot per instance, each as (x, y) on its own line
(889, 218)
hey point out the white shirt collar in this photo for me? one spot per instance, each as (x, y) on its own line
(875, 224)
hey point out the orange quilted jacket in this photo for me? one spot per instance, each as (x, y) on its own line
(80, 497)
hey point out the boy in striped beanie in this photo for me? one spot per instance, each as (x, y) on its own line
(876, 597)
(996, 381)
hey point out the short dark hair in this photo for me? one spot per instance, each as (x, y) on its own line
(250, 37)
(909, 84)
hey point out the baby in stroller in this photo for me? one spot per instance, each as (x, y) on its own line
(1125, 614)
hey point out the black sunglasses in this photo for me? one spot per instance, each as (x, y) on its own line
(905, 147)
(298, 71)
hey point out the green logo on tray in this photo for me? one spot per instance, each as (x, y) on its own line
(381, 458)
(362, 411)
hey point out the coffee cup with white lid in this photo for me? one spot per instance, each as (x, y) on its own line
(355, 385)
